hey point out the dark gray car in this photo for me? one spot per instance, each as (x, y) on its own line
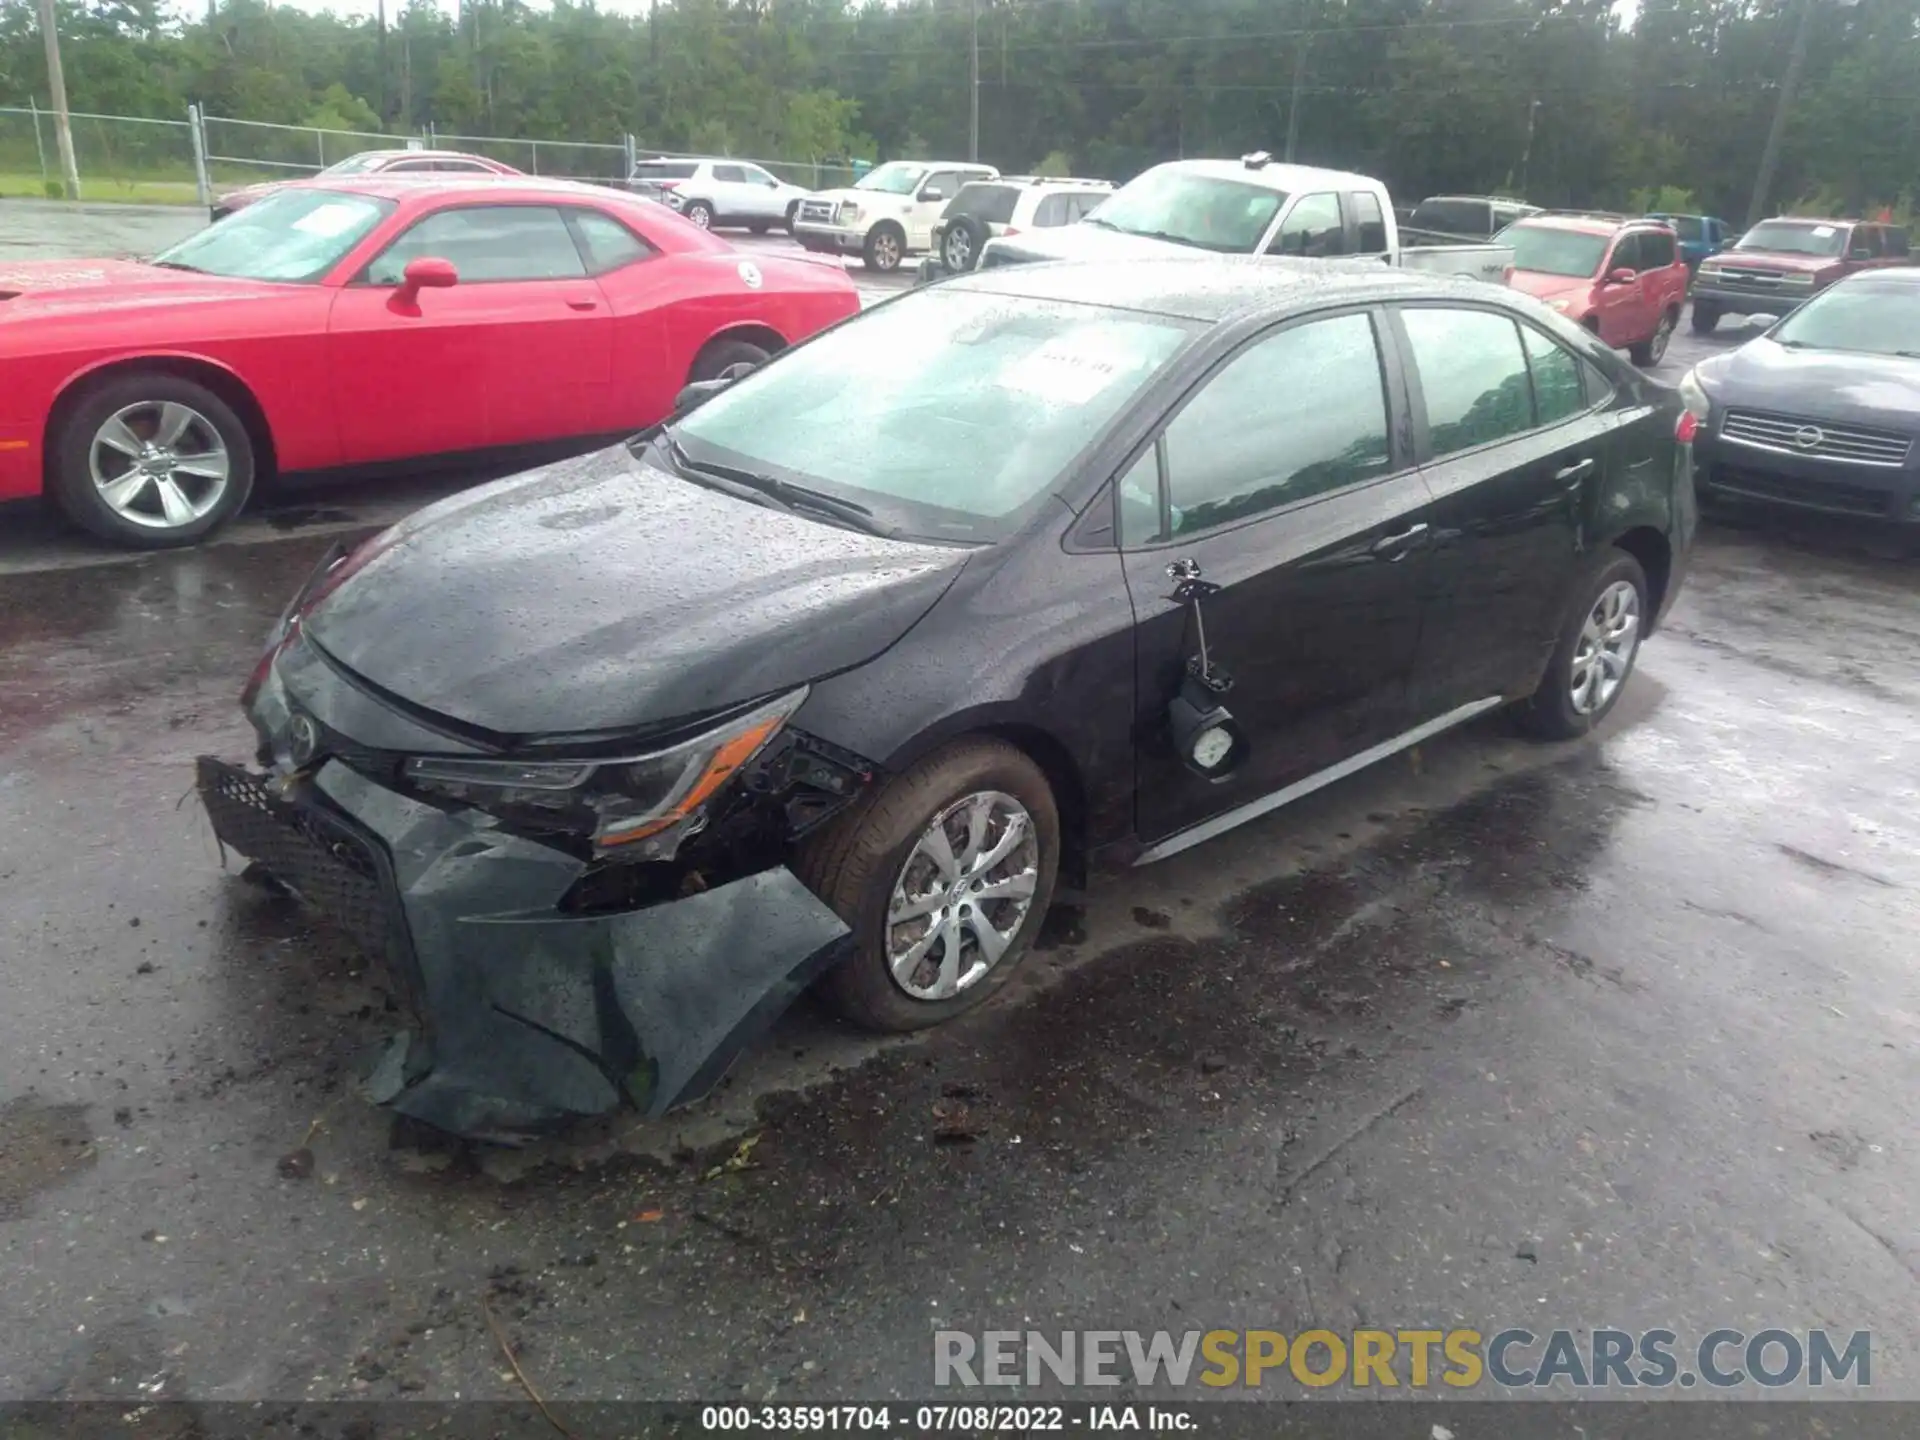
(1822, 412)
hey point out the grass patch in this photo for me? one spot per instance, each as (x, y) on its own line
(104, 189)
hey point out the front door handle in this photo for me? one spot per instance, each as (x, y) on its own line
(583, 302)
(1396, 547)
(1579, 470)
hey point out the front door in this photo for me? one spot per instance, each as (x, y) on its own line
(935, 191)
(1620, 310)
(1515, 439)
(518, 350)
(1281, 480)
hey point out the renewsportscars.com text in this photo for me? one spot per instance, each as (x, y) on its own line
(1457, 1359)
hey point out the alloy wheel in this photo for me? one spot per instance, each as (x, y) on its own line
(886, 250)
(959, 250)
(1658, 347)
(962, 895)
(159, 464)
(1606, 648)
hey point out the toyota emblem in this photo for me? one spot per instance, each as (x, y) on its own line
(303, 739)
(1808, 437)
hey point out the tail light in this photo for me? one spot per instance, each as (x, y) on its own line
(1011, 230)
(1506, 276)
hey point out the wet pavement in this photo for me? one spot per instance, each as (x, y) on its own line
(1624, 1032)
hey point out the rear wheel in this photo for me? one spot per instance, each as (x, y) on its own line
(944, 876)
(886, 247)
(1653, 349)
(152, 460)
(1596, 652)
(700, 213)
(759, 227)
(1705, 317)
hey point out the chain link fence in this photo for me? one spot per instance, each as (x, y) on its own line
(127, 158)
(119, 157)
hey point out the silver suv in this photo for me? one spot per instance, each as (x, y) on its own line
(1008, 205)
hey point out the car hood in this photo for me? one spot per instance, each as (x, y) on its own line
(869, 201)
(51, 286)
(1543, 286)
(1877, 390)
(1082, 241)
(604, 594)
(1778, 260)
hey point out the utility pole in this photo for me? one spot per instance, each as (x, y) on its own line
(1776, 132)
(973, 129)
(57, 84)
(1293, 103)
(386, 117)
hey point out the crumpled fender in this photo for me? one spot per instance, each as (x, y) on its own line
(533, 1017)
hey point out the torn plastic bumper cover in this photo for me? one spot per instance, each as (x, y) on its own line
(528, 1016)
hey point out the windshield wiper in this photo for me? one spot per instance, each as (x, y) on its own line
(178, 265)
(1103, 224)
(775, 493)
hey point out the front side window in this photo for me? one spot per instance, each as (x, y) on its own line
(1204, 211)
(1312, 227)
(296, 235)
(1626, 255)
(1295, 415)
(948, 412)
(1657, 250)
(1473, 375)
(756, 176)
(947, 182)
(1549, 250)
(487, 243)
(1558, 393)
(357, 164)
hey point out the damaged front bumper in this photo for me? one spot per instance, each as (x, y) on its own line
(527, 1016)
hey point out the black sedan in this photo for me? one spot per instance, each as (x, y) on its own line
(833, 676)
(1821, 413)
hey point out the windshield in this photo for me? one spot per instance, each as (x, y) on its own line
(1783, 238)
(1169, 203)
(1547, 251)
(294, 235)
(356, 164)
(946, 411)
(896, 177)
(1865, 317)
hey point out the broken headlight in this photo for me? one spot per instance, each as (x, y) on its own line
(642, 806)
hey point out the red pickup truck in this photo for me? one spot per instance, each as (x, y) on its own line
(1622, 278)
(1779, 265)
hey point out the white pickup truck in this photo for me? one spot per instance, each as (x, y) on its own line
(1249, 206)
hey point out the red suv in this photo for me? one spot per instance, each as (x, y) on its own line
(1622, 278)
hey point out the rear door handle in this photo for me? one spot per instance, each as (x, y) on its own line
(1579, 470)
(582, 302)
(1395, 547)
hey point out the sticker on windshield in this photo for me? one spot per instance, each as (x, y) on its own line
(330, 220)
(750, 275)
(1824, 232)
(1063, 372)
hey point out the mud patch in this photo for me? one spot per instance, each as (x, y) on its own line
(40, 1146)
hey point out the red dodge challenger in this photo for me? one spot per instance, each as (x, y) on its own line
(355, 322)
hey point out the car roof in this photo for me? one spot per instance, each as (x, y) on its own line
(1587, 224)
(1212, 288)
(494, 187)
(1274, 175)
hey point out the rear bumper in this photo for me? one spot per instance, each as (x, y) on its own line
(524, 1016)
(1724, 471)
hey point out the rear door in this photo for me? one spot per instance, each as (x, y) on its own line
(1366, 225)
(518, 350)
(1513, 439)
(1280, 478)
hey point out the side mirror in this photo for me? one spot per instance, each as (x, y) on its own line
(428, 272)
(1625, 275)
(933, 192)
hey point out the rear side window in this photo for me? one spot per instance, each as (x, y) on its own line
(408, 167)
(1452, 217)
(1657, 250)
(1312, 227)
(1370, 226)
(729, 175)
(1896, 239)
(1473, 376)
(487, 242)
(462, 167)
(1295, 415)
(1865, 243)
(665, 170)
(1052, 211)
(1557, 389)
(991, 203)
(606, 243)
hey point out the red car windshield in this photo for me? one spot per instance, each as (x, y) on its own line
(294, 236)
(1548, 251)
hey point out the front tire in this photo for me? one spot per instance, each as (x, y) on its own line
(944, 876)
(793, 211)
(886, 247)
(1596, 653)
(152, 461)
(1705, 317)
(720, 356)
